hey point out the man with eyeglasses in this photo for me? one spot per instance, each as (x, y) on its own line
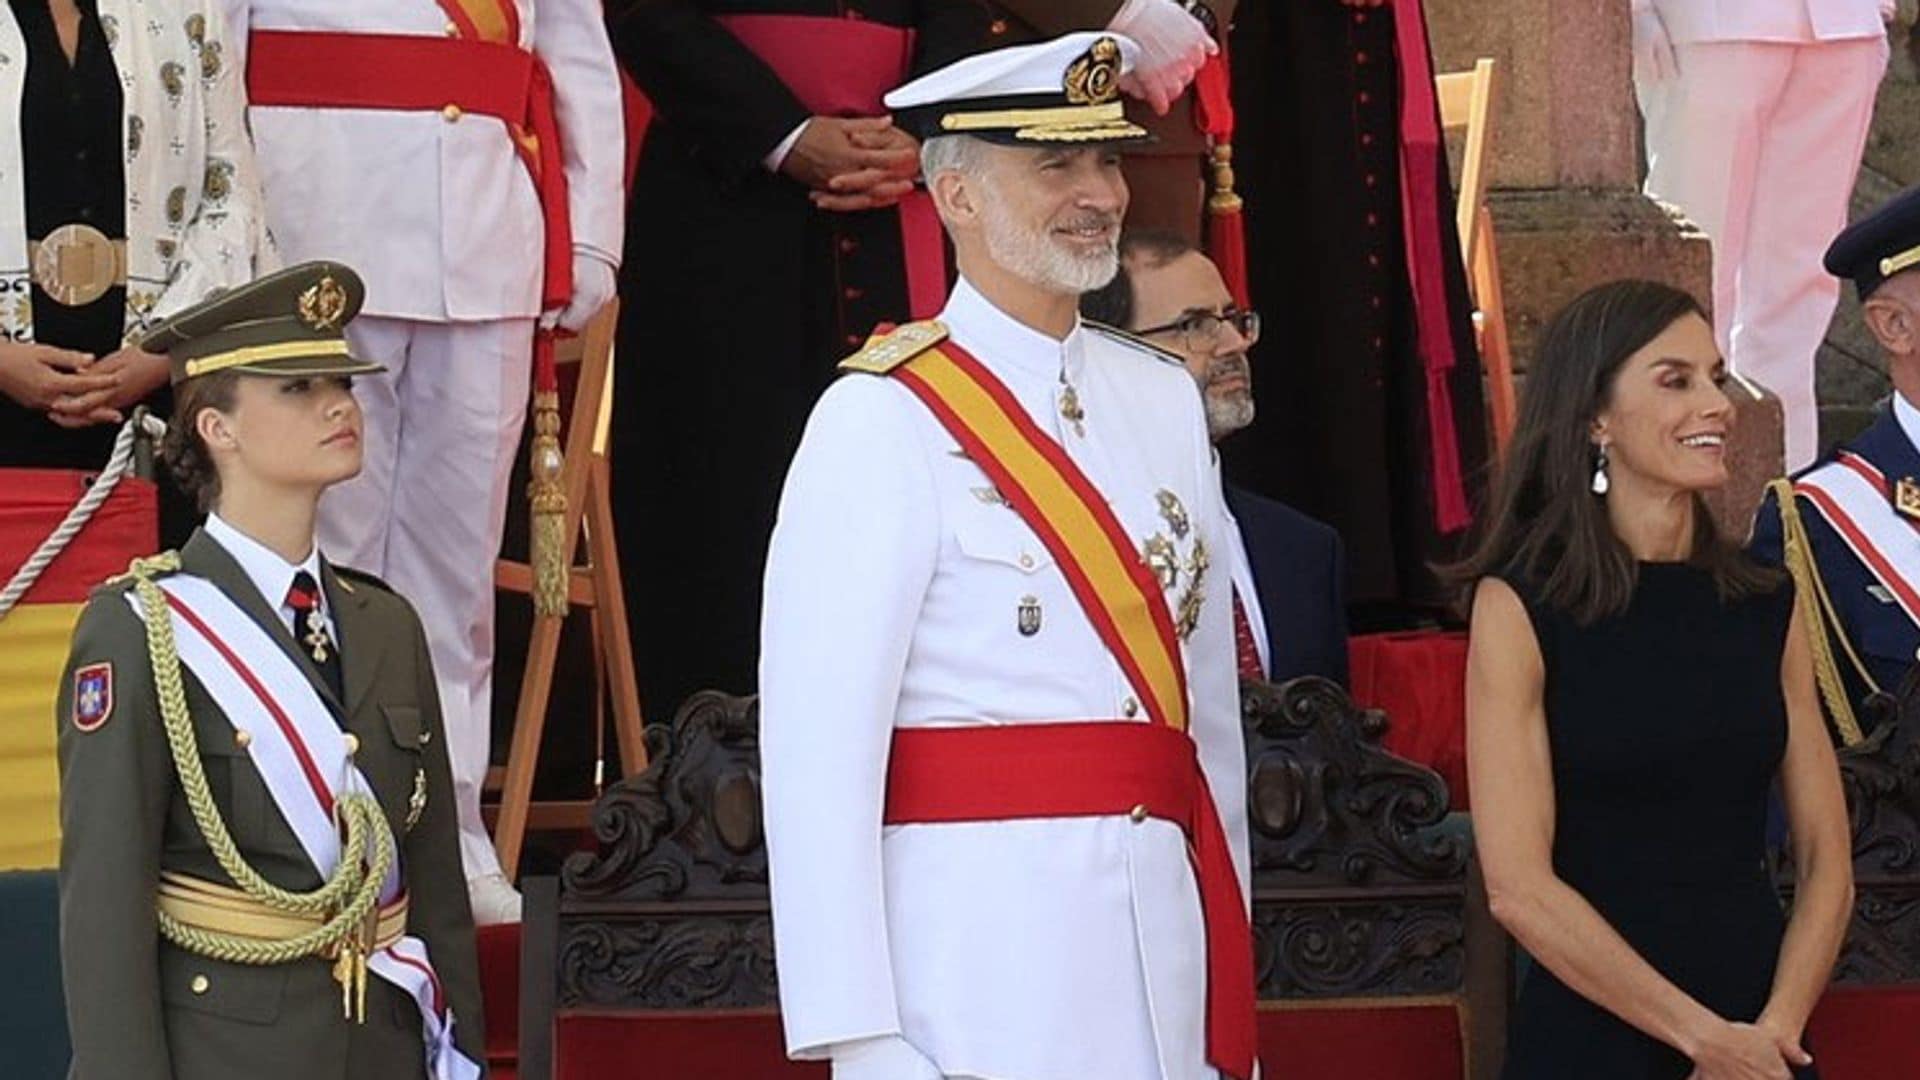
(1289, 570)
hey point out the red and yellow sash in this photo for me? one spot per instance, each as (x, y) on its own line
(1118, 592)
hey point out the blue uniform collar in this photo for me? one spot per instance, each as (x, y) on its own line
(1887, 447)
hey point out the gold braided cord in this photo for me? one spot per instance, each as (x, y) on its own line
(347, 898)
(1817, 614)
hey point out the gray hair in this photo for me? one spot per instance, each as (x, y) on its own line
(951, 153)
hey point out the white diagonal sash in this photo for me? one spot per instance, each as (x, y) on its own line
(302, 755)
(1851, 495)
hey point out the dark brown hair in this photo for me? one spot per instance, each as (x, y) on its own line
(184, 452)
(1544, 525)
(1112, 303)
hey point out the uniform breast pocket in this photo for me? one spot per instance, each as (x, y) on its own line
(238, 789)
(403, 793)
(1892, 640)
(998, 535)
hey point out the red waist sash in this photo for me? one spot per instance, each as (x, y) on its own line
(949, 775)
(407, 72)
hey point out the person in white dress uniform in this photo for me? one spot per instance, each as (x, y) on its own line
(1756, 118)
(998, 697)
(441, 148)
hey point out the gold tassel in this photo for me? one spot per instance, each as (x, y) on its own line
(549, 502)
(1223, 200)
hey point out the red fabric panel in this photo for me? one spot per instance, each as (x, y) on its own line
(33, 502)
(1385, 1042)
(747, 1045)
(1420, 681)
(836, 67)
(499, 948)
(1866, 1033)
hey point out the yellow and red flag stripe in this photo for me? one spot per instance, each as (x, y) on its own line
(1119, 593)
(35, 635)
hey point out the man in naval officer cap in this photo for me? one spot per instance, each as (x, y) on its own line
(998, 696)
(1851, 532)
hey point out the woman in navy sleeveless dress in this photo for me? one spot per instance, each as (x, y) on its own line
(1636, 687)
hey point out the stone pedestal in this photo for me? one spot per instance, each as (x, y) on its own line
(1568, 213)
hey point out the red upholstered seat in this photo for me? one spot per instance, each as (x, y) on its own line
(1867, 1033)
(704, 1045)
(1377, 1039)
(499, 948)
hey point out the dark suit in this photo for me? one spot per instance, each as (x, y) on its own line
(1299, 569)
(1879, 630)
(135, 1002)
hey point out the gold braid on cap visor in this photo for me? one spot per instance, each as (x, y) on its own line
(260, 354)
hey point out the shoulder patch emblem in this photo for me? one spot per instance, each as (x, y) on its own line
(92, 696)
(884, 352)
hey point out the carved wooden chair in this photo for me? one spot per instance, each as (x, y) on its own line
(1466, 102)
(1364, 891)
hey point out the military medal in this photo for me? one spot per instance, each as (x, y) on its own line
(316, 638)
(1029, 616)
(1070, 407)
(417, 802)
(1163, 559)
(1173, 512)
(1906, 497)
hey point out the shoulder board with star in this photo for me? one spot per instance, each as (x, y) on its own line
(884, 352)
(1135, 341)
(154, 567)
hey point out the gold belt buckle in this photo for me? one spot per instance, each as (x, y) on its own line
(76, 265)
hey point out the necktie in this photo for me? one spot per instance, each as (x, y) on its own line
(310, 629)
(1245, 650)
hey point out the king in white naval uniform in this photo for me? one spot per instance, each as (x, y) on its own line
(1756, 117)
(441, 147)
(981, 792)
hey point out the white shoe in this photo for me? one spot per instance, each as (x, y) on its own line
(494, 900)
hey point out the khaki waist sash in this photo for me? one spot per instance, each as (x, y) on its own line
(204, 905)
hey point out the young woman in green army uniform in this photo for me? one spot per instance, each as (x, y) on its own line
(260, 873)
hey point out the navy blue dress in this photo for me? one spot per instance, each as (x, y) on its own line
(1667, 726)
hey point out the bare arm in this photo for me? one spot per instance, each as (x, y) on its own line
(1509, 769)
(1822, 849)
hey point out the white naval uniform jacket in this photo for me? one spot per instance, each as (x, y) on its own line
(1036, 949)
(440, 217)
(194, 220)
(1695, 21)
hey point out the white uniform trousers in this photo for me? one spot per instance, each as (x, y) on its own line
(1759, 143)
(426, 512)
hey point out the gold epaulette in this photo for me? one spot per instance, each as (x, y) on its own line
(146, 569)
(884, 352)
(1817, 614)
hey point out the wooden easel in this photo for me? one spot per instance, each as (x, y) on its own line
(593, 585)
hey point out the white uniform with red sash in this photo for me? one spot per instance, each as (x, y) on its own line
(433, 191)
(298, 748)
(909, 602)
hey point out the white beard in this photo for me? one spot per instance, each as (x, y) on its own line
(1034, 257)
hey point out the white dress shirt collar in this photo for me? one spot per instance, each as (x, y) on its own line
(270, 574)
(1909, 418)
(1001, 341)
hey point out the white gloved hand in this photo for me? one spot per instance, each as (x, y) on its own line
(1173, 45)
(1889, 11)
(1653, 59)
(889, 1057)
(593, 286)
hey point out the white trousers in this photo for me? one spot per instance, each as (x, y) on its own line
(426, 512)
(1759, 143)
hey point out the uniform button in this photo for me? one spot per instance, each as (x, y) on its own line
(1373, 221)
(1379, 343)
(1138, 813)
(1364, 97)
(243, 738)
(848, 245)
(997, 27)
(853, 293)
(1026, 561)
(353, 743)
(1366, 139)
(452, 29)
(1360, 18)
(1378, 302)
(1372, 180)
(199, 985)
(1373, 261)
(1360, 57)
(1129, 708)
(450, 113)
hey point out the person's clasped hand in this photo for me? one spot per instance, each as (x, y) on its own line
(1173, 46)
(857, 163)
(44, 378)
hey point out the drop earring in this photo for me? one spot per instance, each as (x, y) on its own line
(1600, 482)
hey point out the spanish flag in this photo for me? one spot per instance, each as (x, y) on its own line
(34, 636)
